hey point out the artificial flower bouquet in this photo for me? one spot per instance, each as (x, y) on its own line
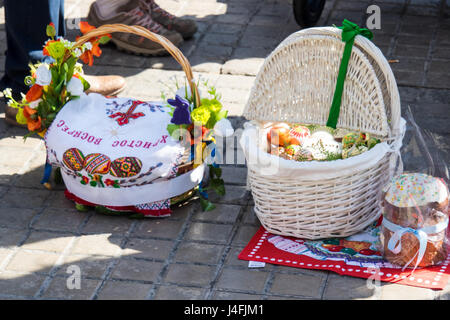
(126, 156)
(204, 119)
(54, 84)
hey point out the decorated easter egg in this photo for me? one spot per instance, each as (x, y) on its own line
(279, 134)
(322, 149)
(349, 139)
(324, 135)
(293, 149)
(300, 133)
(353, 151)
(125, 167)
(73, 159)
(372, 142)
(97, 163)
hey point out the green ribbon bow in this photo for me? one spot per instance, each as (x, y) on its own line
(349, 32)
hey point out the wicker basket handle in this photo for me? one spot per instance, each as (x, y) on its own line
(143, 32)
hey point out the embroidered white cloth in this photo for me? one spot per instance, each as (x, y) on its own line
(117, 151)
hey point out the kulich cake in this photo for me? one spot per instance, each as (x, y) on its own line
(415, 208)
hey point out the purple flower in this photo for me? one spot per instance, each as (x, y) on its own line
(181, 114)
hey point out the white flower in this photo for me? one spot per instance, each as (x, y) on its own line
(223, 128)
(7, 92)
(75, 87)
(43, 75)
(77, 53)
(87, 46)
(67, 44)
(34, 104)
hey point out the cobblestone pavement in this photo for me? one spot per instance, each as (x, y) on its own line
(192, 254)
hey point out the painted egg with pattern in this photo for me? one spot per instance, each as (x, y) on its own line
(73, 159)
(97, 163)
(125, 167)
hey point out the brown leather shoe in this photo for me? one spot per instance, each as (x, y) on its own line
(186, 27)
(132, 14)
(105, 85)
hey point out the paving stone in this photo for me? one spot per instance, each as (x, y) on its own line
(243, 280)
(16, 196)
(200, 63)
(148, 248)
(239, 19)
(60, 289)
(198, 253)
(232, 258)
(5, 253)
(394, 291)
(442, 52)
(245, 234)
(345, 287)
(298, 285)
(99, 223)
(167, 228)
(437, 80)
(214, 51)
(222, 213)
(221, 39)
(11, 238)
(91, 266)
(234, 195)
(250, 217)
(409, 78)
(179, 293)
(16, 217)
(234, 175)
(58, 200)
(190, 274)
(225, 28)
(60, 219)
(97, 244)
(134, 269)
(21, 155)
(124, 290)
(20, 284)
(47, 241)
(227, 295)
(32, 261)
(208, 232)
(423, 10)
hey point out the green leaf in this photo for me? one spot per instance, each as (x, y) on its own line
(81, 207)
(171, 128)
(206, 205)
(86, 84)
(104, 40)
(215, 171)
(218, 186)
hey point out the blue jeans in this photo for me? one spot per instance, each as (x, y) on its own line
(25, 24)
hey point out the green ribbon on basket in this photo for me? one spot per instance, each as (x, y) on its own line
(349, 31)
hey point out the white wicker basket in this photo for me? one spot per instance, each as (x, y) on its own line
(296, 85)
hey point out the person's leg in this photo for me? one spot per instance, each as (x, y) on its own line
(25, 24)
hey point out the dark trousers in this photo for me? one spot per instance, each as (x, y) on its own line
(25, 24)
